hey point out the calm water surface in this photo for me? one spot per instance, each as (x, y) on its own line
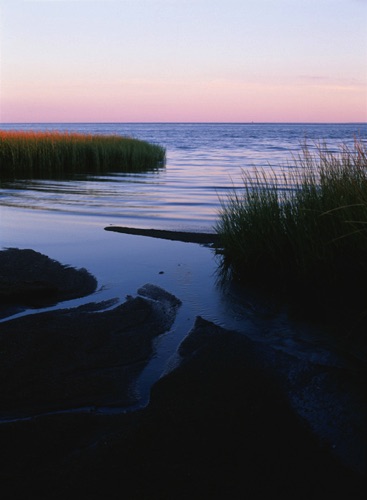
(66, 221)
(204, 162)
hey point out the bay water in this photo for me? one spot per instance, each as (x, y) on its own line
(204, 162)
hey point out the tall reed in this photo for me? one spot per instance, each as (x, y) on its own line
(56, 154)
(305, 226)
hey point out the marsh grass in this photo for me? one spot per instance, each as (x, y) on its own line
(56, 154)
(303, 230)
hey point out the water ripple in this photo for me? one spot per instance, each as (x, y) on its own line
(204, 163)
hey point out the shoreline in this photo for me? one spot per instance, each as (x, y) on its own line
(221, 378)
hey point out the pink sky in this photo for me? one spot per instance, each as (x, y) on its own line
(183, 60)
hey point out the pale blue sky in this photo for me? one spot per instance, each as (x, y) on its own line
(183, 60)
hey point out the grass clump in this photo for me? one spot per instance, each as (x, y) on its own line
(305, 227)
(56, 154)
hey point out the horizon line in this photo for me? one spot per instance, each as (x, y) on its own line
(187, 122)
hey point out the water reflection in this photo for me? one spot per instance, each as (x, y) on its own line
(204, 163)
(122, 263)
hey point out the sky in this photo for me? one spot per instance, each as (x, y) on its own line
(183, 61)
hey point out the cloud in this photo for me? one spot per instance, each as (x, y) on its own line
(327, 80)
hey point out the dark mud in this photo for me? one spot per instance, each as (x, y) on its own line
(220, 425)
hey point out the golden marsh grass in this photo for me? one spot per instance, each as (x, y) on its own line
(55, 154)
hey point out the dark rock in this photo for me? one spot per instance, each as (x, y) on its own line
(328, 394)
(76, 357)
(30, 279)
(156, 293)
(234, 419)
(220, 425)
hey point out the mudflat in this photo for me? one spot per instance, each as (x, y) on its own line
(220, 425)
